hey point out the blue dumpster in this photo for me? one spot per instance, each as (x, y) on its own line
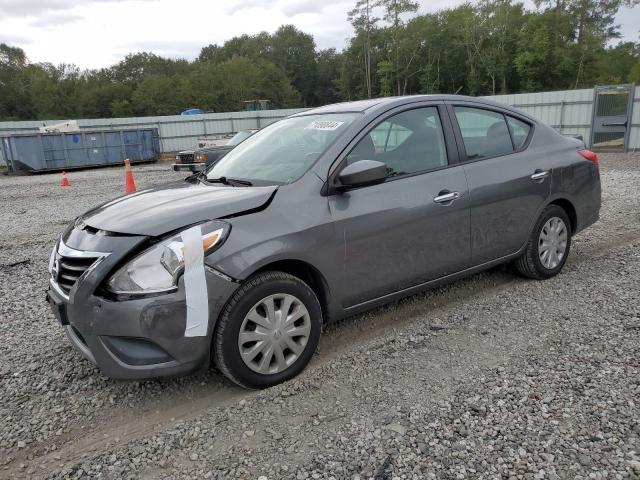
(37, 152)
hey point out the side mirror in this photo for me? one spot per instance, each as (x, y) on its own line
(189, 167)
(361, 173)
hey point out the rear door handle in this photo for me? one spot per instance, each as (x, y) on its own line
(446, 197)
(540, 175)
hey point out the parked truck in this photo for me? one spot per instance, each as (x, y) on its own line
(209, 155)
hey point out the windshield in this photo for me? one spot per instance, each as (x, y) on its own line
(283, 151)
(239, 137)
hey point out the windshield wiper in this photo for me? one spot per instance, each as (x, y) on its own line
(230, 181)
(194, 177)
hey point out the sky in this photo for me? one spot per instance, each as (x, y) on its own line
(99, 33)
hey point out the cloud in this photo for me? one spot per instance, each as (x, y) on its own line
(629, 20)
(289, 8)
(18, 8)
(171, 49)
(54, 19)
(14, 39)
(34, 8)
(241, 5)
(99, 33)
(298, 7)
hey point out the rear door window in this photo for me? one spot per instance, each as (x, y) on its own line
(484, 132)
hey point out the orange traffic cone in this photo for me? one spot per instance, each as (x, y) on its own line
(65, 181)
(129, 183)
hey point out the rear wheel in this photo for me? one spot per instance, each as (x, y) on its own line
(268, 331)
(548, 246)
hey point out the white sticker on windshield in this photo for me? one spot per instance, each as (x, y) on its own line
(329, 125)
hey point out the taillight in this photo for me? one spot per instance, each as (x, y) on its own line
(589, 155)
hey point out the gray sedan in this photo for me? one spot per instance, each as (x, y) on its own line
(321, 215)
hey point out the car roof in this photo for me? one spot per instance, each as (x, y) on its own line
(366, 106)
(357, 106)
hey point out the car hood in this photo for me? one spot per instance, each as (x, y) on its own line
(163, 209)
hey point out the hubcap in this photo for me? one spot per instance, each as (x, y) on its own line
(274, 333)
(552, 244)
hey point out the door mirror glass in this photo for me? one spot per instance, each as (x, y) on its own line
(363, 172)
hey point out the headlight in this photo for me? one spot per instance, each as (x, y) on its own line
(158, 268)
(201, 157)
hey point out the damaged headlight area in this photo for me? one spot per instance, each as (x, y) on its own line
(157, 269)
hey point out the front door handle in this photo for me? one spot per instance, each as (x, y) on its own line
(540, 175)
(446, 197)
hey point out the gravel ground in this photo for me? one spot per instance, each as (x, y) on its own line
(489, 377)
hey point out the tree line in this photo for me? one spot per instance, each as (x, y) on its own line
(490, 47)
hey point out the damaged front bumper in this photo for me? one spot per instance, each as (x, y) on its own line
(132, 338)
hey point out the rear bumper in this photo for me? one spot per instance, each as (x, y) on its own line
(189, 167)
(588, 220)
(589, 202)
(186, 157)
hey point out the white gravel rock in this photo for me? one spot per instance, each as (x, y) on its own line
(518, 379)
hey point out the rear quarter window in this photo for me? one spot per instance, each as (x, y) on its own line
(519, 131)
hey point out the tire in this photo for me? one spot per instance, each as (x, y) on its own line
(263, 298)
(530, 263)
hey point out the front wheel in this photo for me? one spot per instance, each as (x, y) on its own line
(268, 331)
(548, 246)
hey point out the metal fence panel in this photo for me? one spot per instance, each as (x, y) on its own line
(634, 134)
(568, 111)
(176, 132)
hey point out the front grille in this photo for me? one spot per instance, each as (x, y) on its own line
(187, 158)
(67, 265)
(70, 269)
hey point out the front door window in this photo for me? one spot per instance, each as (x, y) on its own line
(408, 142)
